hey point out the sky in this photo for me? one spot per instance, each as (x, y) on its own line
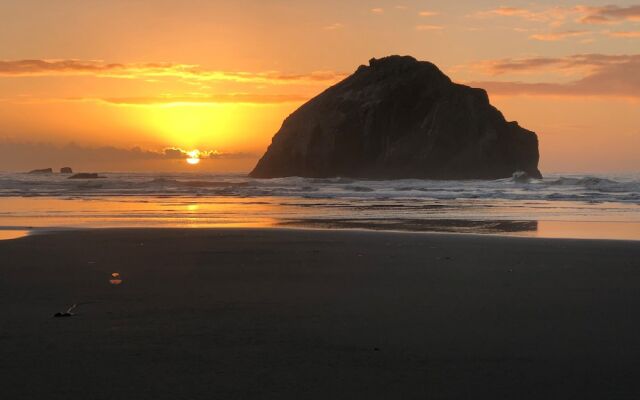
(118, 85)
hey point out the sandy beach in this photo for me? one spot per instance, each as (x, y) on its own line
(304, 314)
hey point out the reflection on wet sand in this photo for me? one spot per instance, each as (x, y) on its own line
(589, 230)
(138, 212)
(421, 225)
(552, 219)
(12, 234)
(541, 229)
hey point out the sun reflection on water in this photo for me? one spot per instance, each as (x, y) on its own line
(12, 234)
(549, 219)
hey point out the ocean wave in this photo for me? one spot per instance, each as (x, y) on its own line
(195, 183)
(596, 183)
(585, 188)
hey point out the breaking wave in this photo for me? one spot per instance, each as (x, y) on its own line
(592, 189)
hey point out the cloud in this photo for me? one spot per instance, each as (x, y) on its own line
(427, 13)
(624, 34)
(333, 27)
(554, 16)
(511, 11)
(580, 63)
(36, 67)
(172, 153)
(609, 14)
(557, 36)
(255, 91)
(377, 10)
(137, 153)
(19, 68)
(175, 153)
(602, 75)
(557, 16)
(429, 27)
(29, 155)
(246, 98)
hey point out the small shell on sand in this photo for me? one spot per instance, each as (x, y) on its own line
(115, 279)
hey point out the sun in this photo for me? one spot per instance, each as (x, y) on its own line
(194, 157)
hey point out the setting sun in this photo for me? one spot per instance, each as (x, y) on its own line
(194, 157)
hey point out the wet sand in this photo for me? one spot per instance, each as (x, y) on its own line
(302, 314)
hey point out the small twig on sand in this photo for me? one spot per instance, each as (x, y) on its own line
(69, 312)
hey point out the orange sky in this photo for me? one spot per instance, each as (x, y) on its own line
(84, 82)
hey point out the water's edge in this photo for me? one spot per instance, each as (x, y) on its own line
(605, 206)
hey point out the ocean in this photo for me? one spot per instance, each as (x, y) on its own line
(567, 205)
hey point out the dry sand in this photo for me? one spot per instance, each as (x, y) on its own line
(294, 314)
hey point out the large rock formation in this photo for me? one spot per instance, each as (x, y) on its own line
(400, 118)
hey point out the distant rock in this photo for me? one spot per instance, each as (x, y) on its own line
(42, 171)
(85, 175)
(400, 118)
(66, 170)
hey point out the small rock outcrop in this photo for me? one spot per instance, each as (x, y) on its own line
(66, 170)
(42, 171)
(85, 175)
(400, 118)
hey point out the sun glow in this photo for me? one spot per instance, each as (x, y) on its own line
(194, 157)
(192, 125)
(237, 127)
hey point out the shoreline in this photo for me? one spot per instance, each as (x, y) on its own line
(568, 230)
(604, 207)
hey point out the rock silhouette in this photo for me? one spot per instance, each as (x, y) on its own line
(400, 118)
(42, 171)
(86, 175)
(66, 170)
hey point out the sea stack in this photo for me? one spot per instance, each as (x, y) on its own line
(400, 118)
